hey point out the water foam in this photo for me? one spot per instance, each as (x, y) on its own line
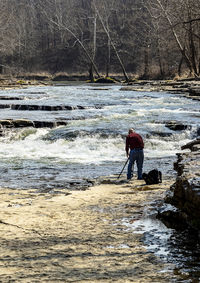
(87, 149)
(156, 234)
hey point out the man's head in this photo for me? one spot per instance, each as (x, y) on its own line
(130, 131)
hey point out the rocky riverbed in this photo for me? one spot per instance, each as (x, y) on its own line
(189, 88)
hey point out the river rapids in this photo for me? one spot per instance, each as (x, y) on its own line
(92, 142)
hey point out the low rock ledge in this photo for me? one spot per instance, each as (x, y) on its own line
(184, 194)
(20, 123)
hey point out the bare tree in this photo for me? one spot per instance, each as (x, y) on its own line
(179, 16)
(8, 39)
(62, 18)
(118, 35)
(111, 41)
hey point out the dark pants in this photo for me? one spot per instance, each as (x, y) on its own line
(138, 156)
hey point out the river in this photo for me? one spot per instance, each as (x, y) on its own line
(92, 144)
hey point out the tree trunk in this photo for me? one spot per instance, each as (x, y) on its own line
(91, 76)
(179, 66)
(60, 25)
(108, 60)
(146, 63)
(182, 50)
(112, 44)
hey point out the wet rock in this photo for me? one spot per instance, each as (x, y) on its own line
(198, 131)
(172, 217)
(3, 106)
(193, 146)
(35, 92)
(105, 80)
(48, 124)
(16, 123)
(160, 134)
(33, 107)
(175, 126)
(43, 124)
(41, 107)
(22, 123)
(194, 91)
(185, 192)
(10, 123)
(10, 98)
(80, 107)
(6, 123)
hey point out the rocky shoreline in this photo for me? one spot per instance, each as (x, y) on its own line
(188, 87)
(184, 194)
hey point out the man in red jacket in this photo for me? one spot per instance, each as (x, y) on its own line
(134, 149)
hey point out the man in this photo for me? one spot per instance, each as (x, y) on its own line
(134, 144)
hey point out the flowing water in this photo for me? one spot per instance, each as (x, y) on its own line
(92, 143)
(180, 248)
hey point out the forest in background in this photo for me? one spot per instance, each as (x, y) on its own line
(144, 38)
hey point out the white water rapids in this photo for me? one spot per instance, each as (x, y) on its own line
(92, 143)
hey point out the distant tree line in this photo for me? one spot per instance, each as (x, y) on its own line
(149, 38)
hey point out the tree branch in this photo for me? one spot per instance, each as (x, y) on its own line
(191, 21)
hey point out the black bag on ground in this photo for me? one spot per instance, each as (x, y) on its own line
(153, 177)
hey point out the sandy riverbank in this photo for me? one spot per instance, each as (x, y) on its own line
(78, 237)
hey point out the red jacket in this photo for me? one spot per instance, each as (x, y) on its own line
(134, 140)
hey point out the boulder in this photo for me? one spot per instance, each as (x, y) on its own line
(175, 126)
